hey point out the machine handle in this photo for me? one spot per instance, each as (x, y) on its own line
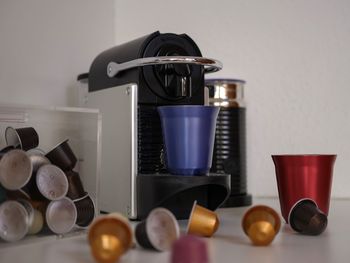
(211, 65)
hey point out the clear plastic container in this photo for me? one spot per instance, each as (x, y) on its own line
(54, 125)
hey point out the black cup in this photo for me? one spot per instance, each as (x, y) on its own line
(62, 156)
(85, 211)
(23, 138)
(306, 218)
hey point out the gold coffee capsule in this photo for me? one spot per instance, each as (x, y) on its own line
(202, 222)
(110, 237)
(261, 224)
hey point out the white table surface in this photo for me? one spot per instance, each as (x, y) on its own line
(229, 244)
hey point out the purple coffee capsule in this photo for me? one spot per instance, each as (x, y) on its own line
(189, 249)
(23, 138)
(15, 170)
(159, 231)
(85, 211)
(306, 218)
(61, 215)
(51, 182)
(62, 156)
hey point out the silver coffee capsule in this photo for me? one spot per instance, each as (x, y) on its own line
(52, 182)
(61, 215)
(15, 169)
(35, 218)
(14, 221)
(37, 159)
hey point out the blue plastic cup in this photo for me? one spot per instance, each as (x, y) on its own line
(188, 133)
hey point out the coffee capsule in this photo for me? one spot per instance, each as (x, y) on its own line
(14, 221)
(189, 249)
(2, 194)
(75, 186)
(202, 222)
(109, 237)
(158, 231)
(5, 150)
(17, 194)
(52, 182)
(85, 211)
(37, 159)
(15, 169)
(61, 215)
(62, 156)
(35, 218)
(23, 138)
(261, 224)
(306, 218)
(40, 205)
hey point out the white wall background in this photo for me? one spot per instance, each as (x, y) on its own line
(45, 44)
(295, 58)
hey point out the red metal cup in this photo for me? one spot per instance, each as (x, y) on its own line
(304, 176)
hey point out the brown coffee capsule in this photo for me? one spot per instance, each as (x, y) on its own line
(85, 211)
(40, 205)
(109, 237)
(2, 194)
(15, 169)
(62, 156)
(75, 186)
(261, 224)
(202, 222)
(22, 138)
(306, 218)
(17, 194)
(159, 231)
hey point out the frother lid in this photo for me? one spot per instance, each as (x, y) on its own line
(14, 221)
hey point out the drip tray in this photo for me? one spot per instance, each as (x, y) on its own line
(178, 192)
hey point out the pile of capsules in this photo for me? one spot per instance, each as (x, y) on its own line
(40, 193)
(111, 236)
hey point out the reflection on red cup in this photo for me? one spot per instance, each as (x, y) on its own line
(304, 176)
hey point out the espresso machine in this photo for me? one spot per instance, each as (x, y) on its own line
(127, 83)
